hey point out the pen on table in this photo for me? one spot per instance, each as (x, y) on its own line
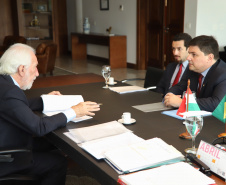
(100, 103)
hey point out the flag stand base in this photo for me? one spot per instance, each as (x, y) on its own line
(222, 135)
(185, 135)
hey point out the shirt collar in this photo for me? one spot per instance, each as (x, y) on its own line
(15, 82)
(204, 73)
(185, 63)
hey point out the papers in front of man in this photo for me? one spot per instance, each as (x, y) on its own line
(54, 104)
(98, 147)
(172, 174)
(151, 107)
(173, 113)
(127, 89)
(60, 102)
(146, 154)
(103, 130)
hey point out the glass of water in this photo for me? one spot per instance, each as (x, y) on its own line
(193, 125)
(106, 72)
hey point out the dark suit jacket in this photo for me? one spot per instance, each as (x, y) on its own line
(213, 88)
(164, 83)
(18, 123)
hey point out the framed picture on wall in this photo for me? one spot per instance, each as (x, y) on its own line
(104, 4)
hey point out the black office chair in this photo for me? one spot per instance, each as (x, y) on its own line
(11, 179)
(152, 77)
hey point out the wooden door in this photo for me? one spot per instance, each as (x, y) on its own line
(158, 21)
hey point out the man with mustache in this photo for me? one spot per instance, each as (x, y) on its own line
(178, 69)
(20, 127)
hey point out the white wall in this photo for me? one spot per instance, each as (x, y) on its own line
(201, 17)
(74, 18)
(207, 17)
(122, 23)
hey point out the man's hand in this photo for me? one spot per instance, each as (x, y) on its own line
(85, 108)
(55, 93)
(172, 100)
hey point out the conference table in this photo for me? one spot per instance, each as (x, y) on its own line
(147, 126)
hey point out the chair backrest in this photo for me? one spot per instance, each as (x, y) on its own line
(153, 76)
(11, 39)
(46, 56)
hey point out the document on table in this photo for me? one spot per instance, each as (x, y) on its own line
(146, 154)
(85, 134)
(60, 102)
(151, 107)
(172, 174)
(74, 120)
(173, 113)
(127, 89)
(98, 147)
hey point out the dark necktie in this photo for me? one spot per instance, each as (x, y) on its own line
(200, 85)
(178, 75)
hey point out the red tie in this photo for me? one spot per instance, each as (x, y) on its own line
(200, 85)
(178, 75)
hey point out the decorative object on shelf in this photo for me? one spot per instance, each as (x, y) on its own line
(108, 30)
(104, 4)
(42, 8)
(27, 7)
(35, 21)
(86, 26)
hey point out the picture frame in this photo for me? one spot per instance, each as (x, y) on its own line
(104, 4)
(42, 8)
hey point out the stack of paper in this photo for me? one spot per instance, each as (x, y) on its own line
(151, 107)
(146, 154)
(173, 174)
(54, 104)
(127, 89)
(103, 130)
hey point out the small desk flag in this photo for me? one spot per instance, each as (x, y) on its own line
(193, 106)
(220, 111)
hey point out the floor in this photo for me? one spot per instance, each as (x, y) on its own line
(91, 66)
(64, 66)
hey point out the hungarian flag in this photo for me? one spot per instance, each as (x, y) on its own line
(220, 111)
(192, 104)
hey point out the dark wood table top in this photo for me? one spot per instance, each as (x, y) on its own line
(54, 81)
(148, 125)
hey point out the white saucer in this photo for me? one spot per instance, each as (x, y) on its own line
(112, 84)
(131, 121)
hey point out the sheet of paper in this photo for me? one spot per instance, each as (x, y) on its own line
(98, 147)
(151, 107)
(197, 113)
(177, 173)
(142, 155)
(60, 103)
(98, 131)
(127, 89)
(74, 120)
(172, 113)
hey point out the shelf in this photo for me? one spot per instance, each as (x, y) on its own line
(33, 13)
(38, 27)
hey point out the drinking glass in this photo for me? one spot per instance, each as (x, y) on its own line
(194, 126)
(106, 72)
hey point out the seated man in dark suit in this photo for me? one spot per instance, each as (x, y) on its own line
(18, 123)
(178, 69)
(207, 75)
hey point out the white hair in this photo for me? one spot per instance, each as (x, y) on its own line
(16, 55)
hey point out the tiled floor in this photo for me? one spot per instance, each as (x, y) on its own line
(91, 66)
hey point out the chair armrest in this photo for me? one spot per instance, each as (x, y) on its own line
(5, 155)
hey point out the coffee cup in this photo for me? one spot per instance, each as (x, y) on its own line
(126, 117)
(111, 80)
